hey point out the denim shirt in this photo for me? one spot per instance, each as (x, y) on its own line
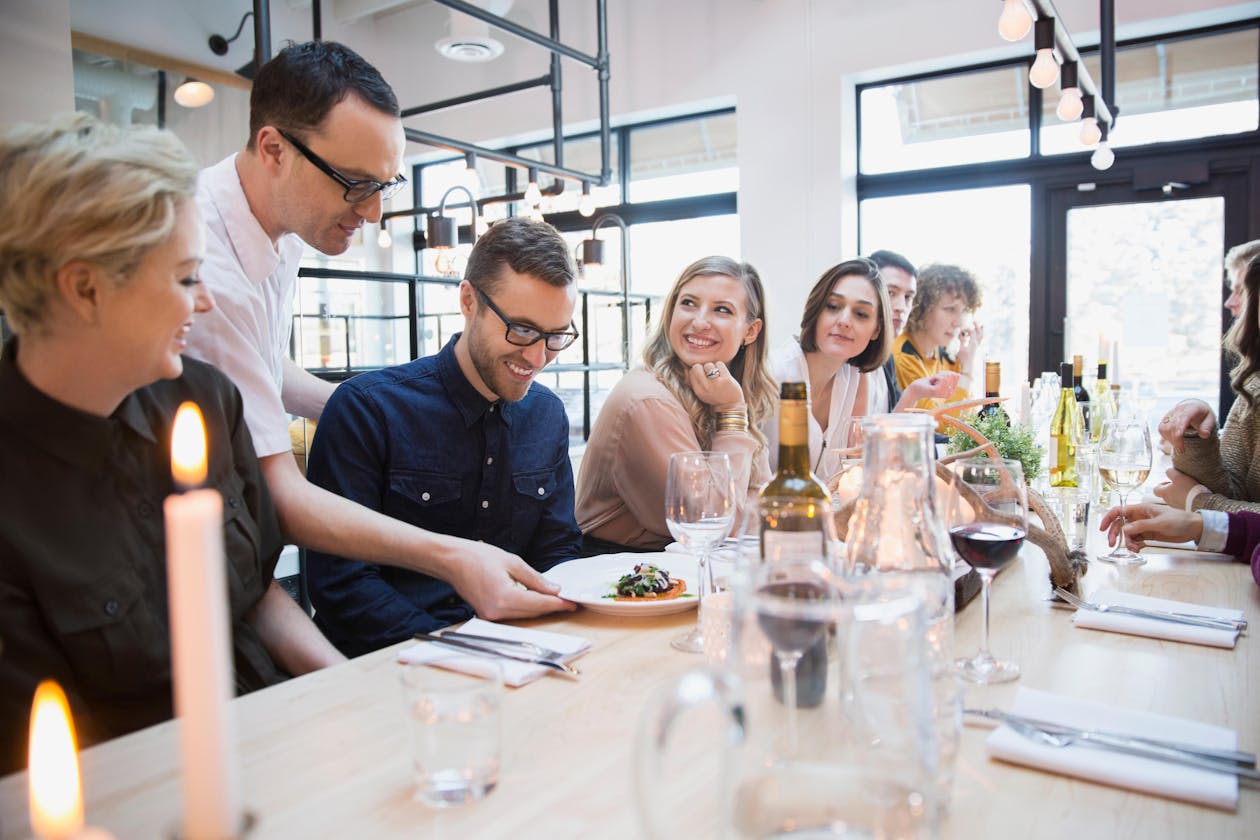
(419, 443)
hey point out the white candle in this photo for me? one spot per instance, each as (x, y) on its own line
(200, 640)
(1025, 404)
(56, 795)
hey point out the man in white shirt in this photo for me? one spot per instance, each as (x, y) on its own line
(325, 147)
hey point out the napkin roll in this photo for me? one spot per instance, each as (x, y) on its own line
(1153, 627)
(514, 673)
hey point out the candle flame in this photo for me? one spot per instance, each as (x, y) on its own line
(188, 446)
(55, 793)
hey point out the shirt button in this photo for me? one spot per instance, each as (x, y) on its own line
(145, 510)
(485, 504)
(489, 461)
(424, 496)
(233, 502)
(111, 607)
(541, 491)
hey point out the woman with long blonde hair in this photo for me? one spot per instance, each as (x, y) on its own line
(703, 385)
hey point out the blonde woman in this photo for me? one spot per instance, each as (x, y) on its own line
(704, 385)
(99, 261)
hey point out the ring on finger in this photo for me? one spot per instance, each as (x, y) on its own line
(713, 373)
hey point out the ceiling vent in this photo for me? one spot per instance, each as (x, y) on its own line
(468, 38)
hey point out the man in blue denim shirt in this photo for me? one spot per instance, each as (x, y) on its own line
(463, 443)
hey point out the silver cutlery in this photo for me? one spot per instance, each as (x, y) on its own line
(1143, 750)
(1238, 625)
(552, 664)
(536, 649)
(1103, 736)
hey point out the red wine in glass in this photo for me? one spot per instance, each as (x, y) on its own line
(987, 545)
(802, 641)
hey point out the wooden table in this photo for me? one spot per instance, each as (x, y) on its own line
(325, 755)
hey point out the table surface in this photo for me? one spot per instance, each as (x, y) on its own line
(325, 755)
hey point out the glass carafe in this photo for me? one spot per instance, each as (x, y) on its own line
(897, 529)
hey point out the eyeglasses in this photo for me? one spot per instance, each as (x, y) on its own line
(525, 336)
(356, 190)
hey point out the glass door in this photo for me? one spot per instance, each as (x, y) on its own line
(1136, 278)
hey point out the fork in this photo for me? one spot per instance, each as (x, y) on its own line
(1066, 739)
(1180, 618)
(536, 649)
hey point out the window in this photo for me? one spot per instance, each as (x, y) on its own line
(684, 158)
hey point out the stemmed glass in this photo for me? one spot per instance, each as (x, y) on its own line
(700, 505)
(1124, 462)
(987, 536)
(788, 595)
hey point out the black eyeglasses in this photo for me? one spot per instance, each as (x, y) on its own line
(356, 190)
(524, 336)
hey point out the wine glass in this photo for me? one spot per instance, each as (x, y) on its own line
(700, 505)
(788, 596)
(988, 520)
(1124, 462)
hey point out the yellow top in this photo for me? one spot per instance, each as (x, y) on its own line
(913, 363)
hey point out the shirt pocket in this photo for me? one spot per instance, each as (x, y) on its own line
(533, 492)
(113, 636)
(425, 498)
(241, 547)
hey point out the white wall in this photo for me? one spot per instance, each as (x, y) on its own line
(788, 65)
(34, 60)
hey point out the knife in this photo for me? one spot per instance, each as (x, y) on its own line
(1181, 618)
(1119, 740)
(559, 667)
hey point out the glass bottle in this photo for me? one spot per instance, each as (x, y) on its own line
(993, 388)
(796, 512)
(1078, 389)
(1065, 433)
(1102, 403)
(897, 529)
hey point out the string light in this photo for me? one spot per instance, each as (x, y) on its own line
(1045, 69)
(1070, 104)
(586, 206)
(1015, 21)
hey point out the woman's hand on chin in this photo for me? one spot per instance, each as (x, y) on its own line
(714, 385)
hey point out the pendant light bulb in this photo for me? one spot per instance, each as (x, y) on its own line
(1090, 132)
(1015, 21)
(533, 195)
(1070, 105)
(1103, 157)
(383, 238)
(586, 206)
(1045, 70)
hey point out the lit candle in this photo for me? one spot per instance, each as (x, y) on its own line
(56, 795)
(200, 639)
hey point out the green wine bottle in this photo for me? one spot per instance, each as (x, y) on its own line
(796, 515)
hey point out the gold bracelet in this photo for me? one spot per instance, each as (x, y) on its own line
(732, 421)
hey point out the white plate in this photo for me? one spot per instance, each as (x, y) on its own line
(587, 580)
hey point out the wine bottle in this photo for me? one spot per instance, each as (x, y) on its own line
(1102, 403)
(1065, 433)
(993, 388)
(795, 507)
(1078, 390)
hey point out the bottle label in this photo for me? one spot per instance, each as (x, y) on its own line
(785, 545)
(793, 423)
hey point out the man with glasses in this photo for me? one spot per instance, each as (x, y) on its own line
(325, 149)
(463, 442)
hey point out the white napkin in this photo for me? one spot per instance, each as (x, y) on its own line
(1218, 790)
(514, 673)
(1153, 627)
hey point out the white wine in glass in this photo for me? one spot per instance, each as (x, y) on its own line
(1124, 462)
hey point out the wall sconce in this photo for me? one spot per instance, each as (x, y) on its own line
(593, 254)
(1070, 104)
(533, 195)
(1015, 21)
(193, 93)
(442, 231)
(586, 205)
(1103, 156)
(1045, 69)
(1090, 132)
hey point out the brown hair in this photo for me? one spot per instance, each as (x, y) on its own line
(879, 348)
(748, 367)
(525, 246)
(1243, 337)
(936, 281)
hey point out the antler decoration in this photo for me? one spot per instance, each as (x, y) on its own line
(1065, 565)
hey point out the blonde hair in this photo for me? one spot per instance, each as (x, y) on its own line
(748, 367)
(75, 188)
(1237, 258)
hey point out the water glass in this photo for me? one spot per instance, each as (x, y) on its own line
(455, 720)
(1071, 506)
(700, 508)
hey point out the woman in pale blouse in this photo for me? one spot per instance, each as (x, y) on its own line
(704, 385)
(846, 336)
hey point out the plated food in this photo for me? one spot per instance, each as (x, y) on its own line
(593, 581)
(647, 583)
